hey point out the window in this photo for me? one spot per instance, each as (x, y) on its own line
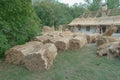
(88, 28)
(118, 31)
(79, 27)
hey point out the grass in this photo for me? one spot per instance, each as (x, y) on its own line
(81, 64)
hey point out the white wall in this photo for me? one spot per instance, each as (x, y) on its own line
(92, 30)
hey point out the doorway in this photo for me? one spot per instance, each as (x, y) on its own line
(104, 29)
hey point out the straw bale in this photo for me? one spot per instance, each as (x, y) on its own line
(110, 31)
(42, 59)
(77, 42)
(111, 49)
(107, 39)
(43, 39)
(114, 50)
(47, 29)
(92, 38)
(60, 28)
(79, 34)
(62, 44)
(16, 54)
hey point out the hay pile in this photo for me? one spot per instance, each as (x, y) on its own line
(16, 54)
(33, 55)
(47, 29)
(41, 59)
(53, 34)
(92, 38)
(109, 49)
(43, 39)
(67, 34)
(114, 50)
(106, 39)
(38, 54)
(79, 34)
(102, 49)
(77, 42)
(60, 28)
(62, 44)
(110, 31)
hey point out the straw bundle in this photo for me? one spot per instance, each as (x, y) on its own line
(66, 34)
(110, 31)
(53, 34)
(114, 50)
(79, 34)
(43, 39)
(92, 38)
(62, 44)
(16, 54)
(42, 59)
(107, 39)
(47, 29)
(102, 49)
(77, 42)
(60, 28)
(109, 49)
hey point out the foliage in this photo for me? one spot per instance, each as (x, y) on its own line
(61, 14)
(45, 12)
(96, 4)
(18, 23)
(113, 4)
(52, 12)
(93, 5)
(77, 10)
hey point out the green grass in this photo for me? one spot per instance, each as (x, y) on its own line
(81, 64)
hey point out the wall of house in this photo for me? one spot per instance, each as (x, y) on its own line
(92, 30)
(118, 32)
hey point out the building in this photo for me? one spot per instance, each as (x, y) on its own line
(97, 21)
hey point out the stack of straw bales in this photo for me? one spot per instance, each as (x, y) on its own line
(33, 55)
(77, 42)
(110, 31)
(111, 49)
(92, 38)
(47, 29)
(107, 39)
(62, 44)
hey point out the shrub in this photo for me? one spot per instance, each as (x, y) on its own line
(18, 23)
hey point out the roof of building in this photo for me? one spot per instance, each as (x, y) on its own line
(95, 18)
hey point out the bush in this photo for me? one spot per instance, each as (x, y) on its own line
(18, 23)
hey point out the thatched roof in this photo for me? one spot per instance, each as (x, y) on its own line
(95, 18)
(116, 20)
(108, 20)
(114, 12)
(105, 21)
(84, 21)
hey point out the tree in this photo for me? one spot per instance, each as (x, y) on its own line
(45, 12)
(18, 23)
(93, 5)
(53, 13)
(113, 4)
(77, 10)
(61, 14)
